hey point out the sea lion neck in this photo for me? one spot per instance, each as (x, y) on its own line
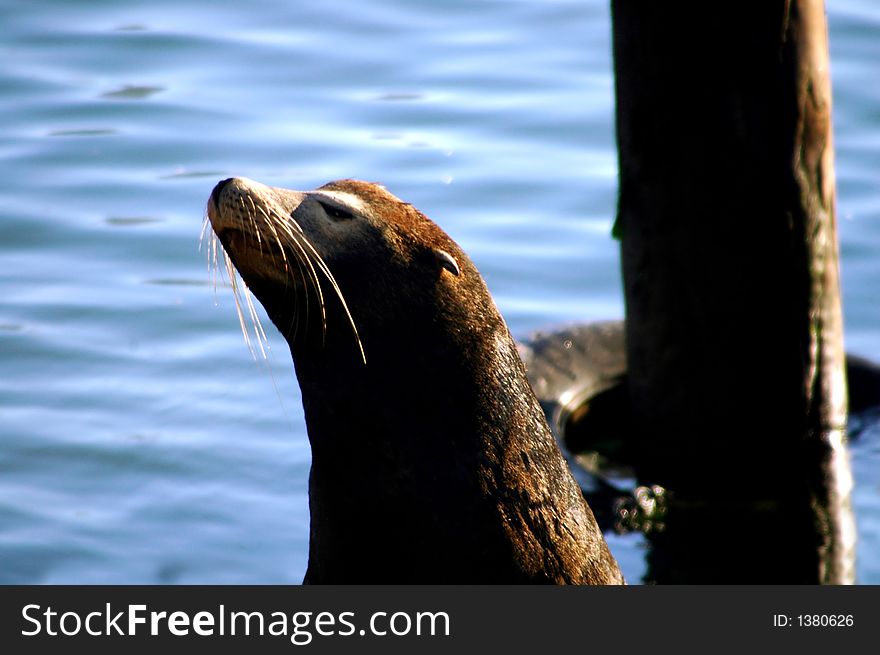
(432, 367)
(425, 472)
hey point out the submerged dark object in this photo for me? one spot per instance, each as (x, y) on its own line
(579, 374)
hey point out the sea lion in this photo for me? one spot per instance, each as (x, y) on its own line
(432, 461)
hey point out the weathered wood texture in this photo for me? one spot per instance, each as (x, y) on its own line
(730, 266)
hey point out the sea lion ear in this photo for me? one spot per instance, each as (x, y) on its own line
(447, 261)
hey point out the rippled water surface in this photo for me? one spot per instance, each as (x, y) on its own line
(139, 441)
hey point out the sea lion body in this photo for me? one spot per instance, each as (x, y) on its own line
(432, 461)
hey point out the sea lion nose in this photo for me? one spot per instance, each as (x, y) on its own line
(215, 194)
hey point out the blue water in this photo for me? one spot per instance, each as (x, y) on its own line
(139, 440)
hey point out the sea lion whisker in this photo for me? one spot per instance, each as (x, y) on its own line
(271, 225)
(210, 249)
(256, 325)
(332, 280)
(203, 234)
(236, 294)
(307, 275)
(217, 248)
(251, 230)
(213, 263)
(276, 220)
(312, 278)
(303, 274)
(203, 237)
(253, 218)
(297, 315)
(259, 234)
(299, 242)
(252, 215)
(259, 332)
(285, 240)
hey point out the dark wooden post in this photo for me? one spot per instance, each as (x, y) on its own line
(730, 266)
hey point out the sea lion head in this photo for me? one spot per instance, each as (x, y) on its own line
(350, 249)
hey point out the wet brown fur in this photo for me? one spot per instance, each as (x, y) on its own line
(432, 462)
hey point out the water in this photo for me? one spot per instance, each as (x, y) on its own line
(140, 441)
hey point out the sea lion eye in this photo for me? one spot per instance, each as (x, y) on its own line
(335, 212)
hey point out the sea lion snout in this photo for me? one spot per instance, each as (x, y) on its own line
(218, 190)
